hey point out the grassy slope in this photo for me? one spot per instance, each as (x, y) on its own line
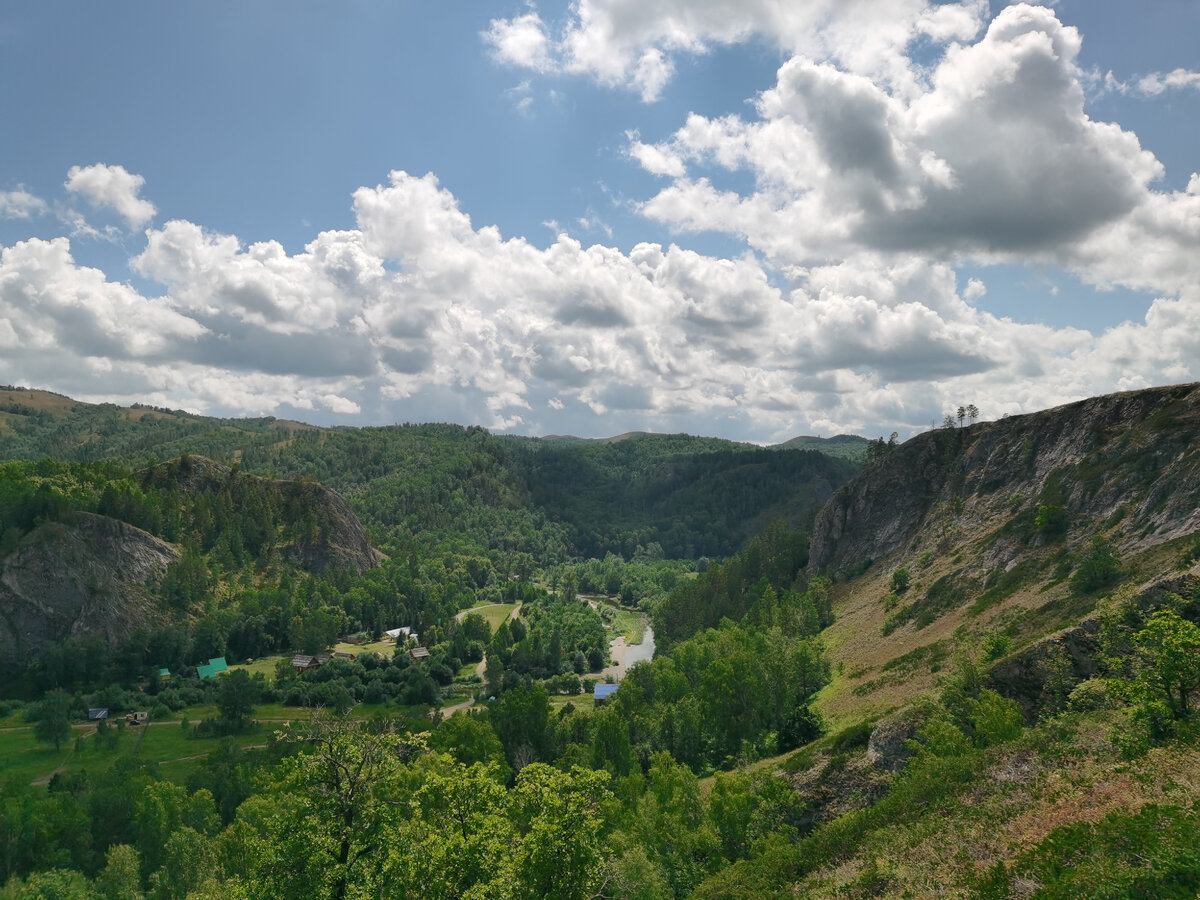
(876, 673)
(1063, 772)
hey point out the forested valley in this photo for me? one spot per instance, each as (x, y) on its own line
(200, 697)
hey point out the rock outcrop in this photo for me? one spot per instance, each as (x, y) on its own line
(1128, 462)
(89, 576)
(331, 537)
(340, 541)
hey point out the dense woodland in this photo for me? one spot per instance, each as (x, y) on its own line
(347, 781)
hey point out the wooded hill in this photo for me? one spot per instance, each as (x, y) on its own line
(553, 498)
(977, 677)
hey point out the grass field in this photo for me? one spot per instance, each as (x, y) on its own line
(266, 665)
(630, 625)
(383, 648)
(24, 759)
(164, 742)
(495, 613)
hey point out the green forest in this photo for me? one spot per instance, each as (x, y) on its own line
(470, 757)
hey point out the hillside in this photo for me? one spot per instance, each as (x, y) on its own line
(851, 447)
(992, 524)
(551, 498)
(94, 553)
(974, 675)
(1015, 640)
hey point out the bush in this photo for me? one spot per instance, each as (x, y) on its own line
(996, 645)
(1093, 694)
(1098, 567)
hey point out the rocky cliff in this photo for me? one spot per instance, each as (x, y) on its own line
(321, 531)
(340, 541)
(1124, 464)
(90, 576)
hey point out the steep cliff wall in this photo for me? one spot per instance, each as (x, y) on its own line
(1128, 464)
(91, 576)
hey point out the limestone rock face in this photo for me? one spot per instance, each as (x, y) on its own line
(341, 540)
(91, 576)
(1128, 462)
(335, 537)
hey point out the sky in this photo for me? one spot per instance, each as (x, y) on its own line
(752, 219)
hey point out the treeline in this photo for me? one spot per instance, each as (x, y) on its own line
(728, 694)
(333, 810)
(767, 577)
(553, 636)
(533, 502)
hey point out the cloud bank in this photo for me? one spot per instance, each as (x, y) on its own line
(872, 179)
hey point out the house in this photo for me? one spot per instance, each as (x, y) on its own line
(96, 713)
(302, 662)
(213, 667)
(419, 653)
(400, 634)
(164, 673)
(601, 692)
(137, 718)
(339, 654)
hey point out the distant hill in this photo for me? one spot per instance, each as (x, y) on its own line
(553, 498)
(90, 551)
(844, 446)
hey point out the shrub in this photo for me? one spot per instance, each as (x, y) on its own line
(1098, 567)
(996, 645)
(1090, 695)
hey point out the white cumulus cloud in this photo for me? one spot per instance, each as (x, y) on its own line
(20, 204)
(113, 187)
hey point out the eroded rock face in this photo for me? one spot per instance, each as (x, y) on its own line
(91, 576)
(1073, 653)
(337, 539)
(1129, 461)
(341, 540)
(837, 785)
(888, 748)
(1023, 677)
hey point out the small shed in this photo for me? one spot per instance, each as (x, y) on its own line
(164, 673)
(419, 653)
(341, 654)
(601, 692)
(400, 634)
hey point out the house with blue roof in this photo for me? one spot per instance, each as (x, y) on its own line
(601, 692)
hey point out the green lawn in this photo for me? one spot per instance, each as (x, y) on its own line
(495, 613)
(383, 648)
(264, 666)
(164, 742)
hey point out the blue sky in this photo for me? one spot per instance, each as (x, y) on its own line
(753, 219)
